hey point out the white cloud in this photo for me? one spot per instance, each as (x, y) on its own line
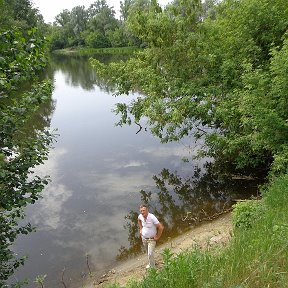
(111, 186)
(124, 164)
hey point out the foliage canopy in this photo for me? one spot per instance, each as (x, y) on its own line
(221, 66)
(23, 56)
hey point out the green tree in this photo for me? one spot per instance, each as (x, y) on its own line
(102, 23)
(68, 27)
(124, 9)
(23, 55)
(207, 66)
(119, 37)
(58, 37)
(98, 7)
(61, 31)
(95, 27)
(63, 18)
(22, 58)
(79, 19)
(252, 128)
(20, 14)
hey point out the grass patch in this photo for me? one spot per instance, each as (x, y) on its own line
(77, 51)
(257, 255)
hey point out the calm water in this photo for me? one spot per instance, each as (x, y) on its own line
(100, 173)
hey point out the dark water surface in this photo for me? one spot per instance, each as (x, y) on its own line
(100, 173)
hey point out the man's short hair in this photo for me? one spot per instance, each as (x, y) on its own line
(144, 206)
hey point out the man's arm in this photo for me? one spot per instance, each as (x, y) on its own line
(160, 229)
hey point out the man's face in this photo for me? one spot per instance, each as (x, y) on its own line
(144, 211)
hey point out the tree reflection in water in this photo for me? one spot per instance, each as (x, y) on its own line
(79, 72)
(181, 203)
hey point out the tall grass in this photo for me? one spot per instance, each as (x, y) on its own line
(81, 51)
(112, 50)
(257, 255)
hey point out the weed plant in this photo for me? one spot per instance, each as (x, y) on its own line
(257, 255)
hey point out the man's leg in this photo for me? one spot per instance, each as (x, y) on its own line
(145, 244)
(150, 252)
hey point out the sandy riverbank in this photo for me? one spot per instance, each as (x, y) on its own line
(207, 234)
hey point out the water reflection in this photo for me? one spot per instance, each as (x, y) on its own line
(78, 71)
(41, 119)
(180, 203)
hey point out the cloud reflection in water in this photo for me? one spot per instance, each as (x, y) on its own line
(47, 216)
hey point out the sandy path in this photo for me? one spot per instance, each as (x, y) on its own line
(205, 235)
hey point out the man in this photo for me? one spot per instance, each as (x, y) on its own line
(150, 230)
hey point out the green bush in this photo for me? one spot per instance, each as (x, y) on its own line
(246, 213)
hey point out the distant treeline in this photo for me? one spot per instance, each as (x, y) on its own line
(95, 27)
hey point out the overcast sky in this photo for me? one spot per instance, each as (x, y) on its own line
(50, 8)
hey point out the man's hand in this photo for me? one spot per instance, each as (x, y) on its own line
(160, 229)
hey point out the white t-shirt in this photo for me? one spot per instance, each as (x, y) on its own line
(149, 225)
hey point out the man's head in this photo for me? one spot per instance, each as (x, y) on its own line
(144, 210)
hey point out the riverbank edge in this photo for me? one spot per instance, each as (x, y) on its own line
(203, 236)
(80, 51)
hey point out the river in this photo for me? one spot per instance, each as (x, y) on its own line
(100, 174)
